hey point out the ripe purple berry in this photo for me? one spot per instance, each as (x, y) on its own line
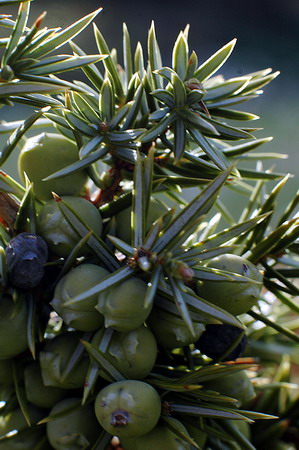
(26, 255)
(216, 340)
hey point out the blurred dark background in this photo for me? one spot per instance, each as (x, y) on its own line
(267, 33)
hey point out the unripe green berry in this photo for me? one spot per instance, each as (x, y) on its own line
(133, 353)
(236, 385)
(236, 297)
(197, 434)
(243, 427)
(55, 357)
(170, 330)
(13, 326)
(123, 305)
(76, 430)
(36, 392)
(58, 233)
(82, 316)
(128, 408)
(6, 372)
(160, 438)
(15, 420)
(45, 154)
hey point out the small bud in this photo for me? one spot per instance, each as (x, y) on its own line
(144, 263)
(56, 197)
(104, 127)
(183, 271)
(194, 84)
(7, 74)
(40, 19)
(107, 179)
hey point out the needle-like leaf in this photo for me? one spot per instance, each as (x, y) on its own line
(62, 37)
(18, 30)
(199, 206)
(214, 62)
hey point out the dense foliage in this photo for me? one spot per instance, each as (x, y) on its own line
(127, 310)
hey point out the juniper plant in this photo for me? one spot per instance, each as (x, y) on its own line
(147, 298)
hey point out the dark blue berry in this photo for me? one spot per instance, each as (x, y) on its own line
(216, 339)
(26, 255)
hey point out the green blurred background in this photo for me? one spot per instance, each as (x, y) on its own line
(267, 33)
